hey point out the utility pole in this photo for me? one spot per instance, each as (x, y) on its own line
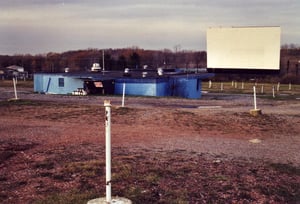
(103, 60)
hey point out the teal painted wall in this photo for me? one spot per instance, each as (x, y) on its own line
(49, 83)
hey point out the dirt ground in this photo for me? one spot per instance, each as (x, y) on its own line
(165, 150)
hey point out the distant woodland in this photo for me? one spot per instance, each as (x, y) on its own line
(137, 58)
(114, 59)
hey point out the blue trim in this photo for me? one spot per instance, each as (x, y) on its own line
(141, 80)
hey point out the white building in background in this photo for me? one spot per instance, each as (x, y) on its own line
(15, 68)
(16, 72)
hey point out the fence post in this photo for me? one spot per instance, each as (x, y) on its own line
(255, 111)
(209, 84)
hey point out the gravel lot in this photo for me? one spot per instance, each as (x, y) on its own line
(218, 127)
(277, 130)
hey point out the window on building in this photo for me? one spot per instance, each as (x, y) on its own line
(61, 82)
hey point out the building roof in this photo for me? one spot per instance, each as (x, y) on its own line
(16, 68)
(132, 74)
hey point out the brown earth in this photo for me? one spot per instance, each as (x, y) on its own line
(165, 150)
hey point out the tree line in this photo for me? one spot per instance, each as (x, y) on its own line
(114, 59)
(137, 58)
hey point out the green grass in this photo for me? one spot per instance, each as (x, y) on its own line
(90, 168)
(72, 197)
(286, 168)
(123, 110)
(164, 181)
(20, 83)
(21, 102)
(284, 92)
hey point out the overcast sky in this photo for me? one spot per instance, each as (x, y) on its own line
(41, 26)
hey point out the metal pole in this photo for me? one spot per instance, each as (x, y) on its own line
(123, 98)
(15, 87)
(254, 96)
(103, 60)
(108, 149)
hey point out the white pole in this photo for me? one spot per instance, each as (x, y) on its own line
(262, 89)
(290, 86)
(123, 98)
(273, 90)
(15, 87)
(108, 149)
(243, 85)
(254, 96)
(222, 86)
(209, 84)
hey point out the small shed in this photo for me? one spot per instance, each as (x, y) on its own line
(15, 71)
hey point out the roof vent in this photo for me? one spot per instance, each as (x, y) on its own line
(160, 71)
(96, 67)
(126, 72)
(144, 74)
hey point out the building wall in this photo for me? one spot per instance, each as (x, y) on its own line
(38, 83)
(56, 84)
(186, 87)
(182, 86)
(142, 87)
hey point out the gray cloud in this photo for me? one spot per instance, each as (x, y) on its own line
(43, 25)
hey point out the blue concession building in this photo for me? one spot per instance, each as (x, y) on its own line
(137, 83)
